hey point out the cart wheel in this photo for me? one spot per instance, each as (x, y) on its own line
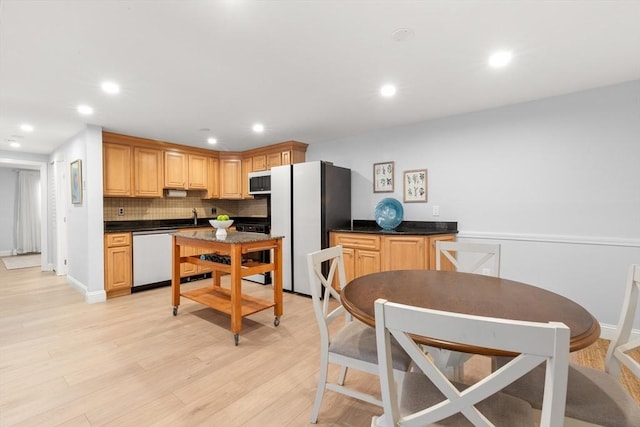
(276, 321)
(175, 311)
(236, 338)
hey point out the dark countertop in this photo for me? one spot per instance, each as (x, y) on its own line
(171, 224)
(424, 228)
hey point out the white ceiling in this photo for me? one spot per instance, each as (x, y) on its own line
(308, 70)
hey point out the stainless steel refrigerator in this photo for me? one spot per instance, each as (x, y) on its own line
(307, 201)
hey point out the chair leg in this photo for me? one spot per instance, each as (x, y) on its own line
(343, 375)
(613, 366)
(322, 382)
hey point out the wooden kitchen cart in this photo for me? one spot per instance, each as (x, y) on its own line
(231, 301)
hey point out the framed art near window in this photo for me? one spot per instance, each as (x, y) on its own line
(76, 182)
(383, 177)
(415, 186)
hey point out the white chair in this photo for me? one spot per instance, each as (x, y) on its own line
(428, 397)
(476, 258)
(594, 396)
(354, 345)
(621, 345)
(486, 262)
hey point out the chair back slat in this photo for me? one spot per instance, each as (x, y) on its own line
(452, 251)
(536, 342)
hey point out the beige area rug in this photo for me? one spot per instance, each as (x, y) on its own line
(21, 261)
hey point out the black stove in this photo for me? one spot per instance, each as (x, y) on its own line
(253, 228)
(260, 256)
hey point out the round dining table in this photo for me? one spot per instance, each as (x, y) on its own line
(468, 293)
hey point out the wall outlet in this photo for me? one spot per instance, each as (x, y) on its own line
(486, 271)
(436, 211)
(213, 211)
(120, 211)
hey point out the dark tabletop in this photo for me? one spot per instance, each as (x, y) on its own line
(469, 294)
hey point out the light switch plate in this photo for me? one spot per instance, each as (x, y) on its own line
(436, 211)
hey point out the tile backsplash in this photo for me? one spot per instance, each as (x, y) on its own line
(180, 207)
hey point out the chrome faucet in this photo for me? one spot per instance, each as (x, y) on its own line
(195, 216)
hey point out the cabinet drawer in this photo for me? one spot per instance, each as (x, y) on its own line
(118, 239)
(357, 241)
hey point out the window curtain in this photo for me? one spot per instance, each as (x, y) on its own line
(27, 216)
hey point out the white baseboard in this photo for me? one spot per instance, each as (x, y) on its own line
(89, 297)
(6, 253)
(608, 332)
(95, 296)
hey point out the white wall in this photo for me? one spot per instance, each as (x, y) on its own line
(8, 178)
(84, 223)
(556, 181)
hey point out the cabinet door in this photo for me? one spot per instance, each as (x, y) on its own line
(367, 262)
(213, 189)
(186, 268)
(198, 172)
(258, 163)
(403, 253)
(116, 170)
(118, 268)
(349, 257)
(147, 166)
(274, 159)
(231, 179)
(246, 168)
(286, 158)
(175, 170)
(445, 263)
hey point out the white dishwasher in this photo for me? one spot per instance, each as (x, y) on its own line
(151, 257)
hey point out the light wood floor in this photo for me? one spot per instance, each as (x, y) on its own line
(130, 362)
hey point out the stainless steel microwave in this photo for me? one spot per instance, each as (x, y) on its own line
(260, 182)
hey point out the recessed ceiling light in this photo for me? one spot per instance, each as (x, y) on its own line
(388, 91)
(15, 144)
(500, 59)
(26, 127)
(110, 87)
(258, 128)
(85, 110)
(212, 141)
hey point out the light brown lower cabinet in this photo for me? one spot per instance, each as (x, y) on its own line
(118, 267)
(370, 253)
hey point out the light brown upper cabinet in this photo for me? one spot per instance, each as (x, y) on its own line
(147, 167)
(198, 172)
(279, 158)
(259, 163)
(175, 170)
(274, 159)
(230, 178)
(247, 166)
(139, 167)
(213, 189)
(116, 170)
(286, 158)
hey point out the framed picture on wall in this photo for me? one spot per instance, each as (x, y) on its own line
(76, 182)
(383, 177)
(415, 186)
